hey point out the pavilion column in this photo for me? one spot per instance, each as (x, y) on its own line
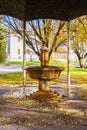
(24, 54)
(68, 59)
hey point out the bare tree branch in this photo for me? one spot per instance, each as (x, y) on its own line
(56, 36)
(38, 23)
(36, 32)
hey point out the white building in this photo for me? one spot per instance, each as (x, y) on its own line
(15, 49)
(62, 54)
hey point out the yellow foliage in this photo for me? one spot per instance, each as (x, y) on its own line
(60, 109)
(44, 96)
(28, 117)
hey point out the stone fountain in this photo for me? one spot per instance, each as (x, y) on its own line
(44, 73)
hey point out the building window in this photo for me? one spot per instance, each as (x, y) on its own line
(27, 51)
(18, 51)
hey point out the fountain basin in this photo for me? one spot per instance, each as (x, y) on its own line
(46, 73)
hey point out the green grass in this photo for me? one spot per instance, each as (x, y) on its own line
(14, 79)
(20, 63)
(27, 63)
(2, 62)
(79, 70)
(77, 74)
(57, 63)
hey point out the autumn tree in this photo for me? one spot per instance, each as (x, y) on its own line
(79, 38)
(2, 42)
(39, 32)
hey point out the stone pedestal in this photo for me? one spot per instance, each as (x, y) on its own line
(44, 86)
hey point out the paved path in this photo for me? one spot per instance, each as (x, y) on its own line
(10, 69)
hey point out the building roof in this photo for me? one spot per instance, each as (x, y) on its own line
(34, 9)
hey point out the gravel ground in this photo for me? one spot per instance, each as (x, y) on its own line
(64, 113)
(19, 113)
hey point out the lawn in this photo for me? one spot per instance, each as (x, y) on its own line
(77, 74)
(15, 79)
(27, 63)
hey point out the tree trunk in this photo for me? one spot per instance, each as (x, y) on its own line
(81, 62)
(80, 59)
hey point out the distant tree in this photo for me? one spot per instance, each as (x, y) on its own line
(39, 33)
(2, 42)
(79, 38)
